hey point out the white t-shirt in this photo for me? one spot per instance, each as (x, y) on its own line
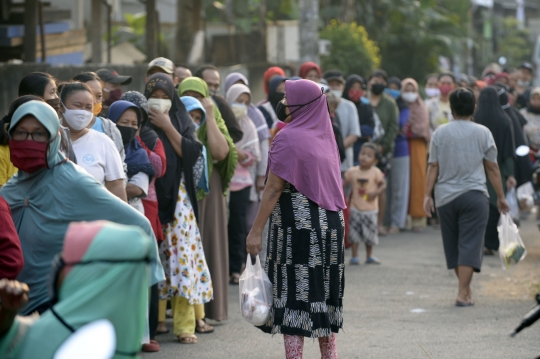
(142, 181)
(98, 155)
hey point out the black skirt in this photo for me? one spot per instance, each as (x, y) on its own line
(305, 263)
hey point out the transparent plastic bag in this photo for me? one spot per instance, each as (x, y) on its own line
(511, 198)
(255, 293)
(511, 247)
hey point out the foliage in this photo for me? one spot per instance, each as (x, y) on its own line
(134, 31)
(514, 43)
(351, 51)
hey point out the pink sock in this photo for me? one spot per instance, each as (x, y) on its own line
(294, 346)
(328, 347)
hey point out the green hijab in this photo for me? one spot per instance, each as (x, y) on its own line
(226, 166)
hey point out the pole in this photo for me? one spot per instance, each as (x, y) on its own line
(151, 45)
(42, 33)
(109, 33)
(470, 42)
(309, 31)
(96, 32)
(30, 24)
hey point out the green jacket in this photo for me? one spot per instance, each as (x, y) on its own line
(388, 113)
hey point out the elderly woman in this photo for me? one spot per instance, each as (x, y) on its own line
(49, 193)
(304, 200)
(460, 150)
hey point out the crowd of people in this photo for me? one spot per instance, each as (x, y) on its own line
(186, 181)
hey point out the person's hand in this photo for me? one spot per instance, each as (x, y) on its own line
(158, 119)
(13, 294)
(253, 243)
(260, 183)
(371, 196)
(503, 206)
(208, 104)
(429, 206)
(511, 182)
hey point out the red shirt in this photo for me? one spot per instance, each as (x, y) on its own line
(11, 257)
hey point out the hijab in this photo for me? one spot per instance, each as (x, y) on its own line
(268, 74)
(253, 112)
(364, 109)
(136, 156)
(307, 67)
(228, 164)
(490, 114)
(304, 153)
(419, 117)
(273, 95)
(167, 187)
(85, 294)
(536, 111)
(250, 140)
(147, 135)
(399, 101)
(45, 202)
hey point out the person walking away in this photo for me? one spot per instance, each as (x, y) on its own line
(439, 107)
(367, 183)
(490, 114)
(418, 133)
(524, 84)
(431, 87)
(306, 224)
(387, 110)
(460, 150)
(310, 71)
(112, 87)
(397, 201)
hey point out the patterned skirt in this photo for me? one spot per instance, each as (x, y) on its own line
(305, 263)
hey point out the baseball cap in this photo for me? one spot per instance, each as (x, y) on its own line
(334, 75)
(111, 76)
(163, 63)
(527, 66)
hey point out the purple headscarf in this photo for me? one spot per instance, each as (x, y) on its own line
(304, 153)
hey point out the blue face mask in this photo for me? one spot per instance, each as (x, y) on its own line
(394, 93)
(364, 100)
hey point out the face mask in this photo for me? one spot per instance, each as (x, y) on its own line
(433, 92)
(212, 92)
(114, 95)
(523, 83)
(393, 93)
(410, 97)
(337, 93)
(446, 89)
(239, 109)
(377, 89)
(128, 134)
(77, 119)
(275, 97)
(28, 155)
(280, 108)
(97, 108)
(161, 105)
(54, 103)
(355, 95)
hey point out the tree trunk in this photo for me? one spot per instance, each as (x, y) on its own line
(96, 34)
(188, 23)
(347, 11)
(309, 30)
(151, 30)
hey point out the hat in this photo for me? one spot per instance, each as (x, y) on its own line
(163, 63)
(334, 75)
(111, 76)
(527, 66)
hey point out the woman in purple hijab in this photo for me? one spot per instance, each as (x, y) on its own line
(303, 198)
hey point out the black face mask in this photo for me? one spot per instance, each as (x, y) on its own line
(275, 97)
(128, 134)
(377, 89)
(280, 108)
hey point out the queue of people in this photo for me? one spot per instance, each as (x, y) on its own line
(200, 179)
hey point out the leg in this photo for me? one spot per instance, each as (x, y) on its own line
(153, 310)
(201, 326)
(237, 230)
(354, 248)
(369, 251)
(294, 346)
(184, 320)
(465, 275)
(400, 193)
(492, 236)
(162, 315)
(382, 207)
(328, 347)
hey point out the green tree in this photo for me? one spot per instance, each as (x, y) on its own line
(514, 43)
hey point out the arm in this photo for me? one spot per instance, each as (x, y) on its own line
(371, 196)
(219, 148)
(494, 175)
(11, 256)
(431, 178)
(245, 158)
(14, 296)
(163, 122)
(262, 165)
(272, 191)
(355, 133)
(349, 140)
(133, 191)
(160, 152)
(117, 188)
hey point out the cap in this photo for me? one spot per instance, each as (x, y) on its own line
(163, 63)
(527, 66)
(333, 75)
(109, 75)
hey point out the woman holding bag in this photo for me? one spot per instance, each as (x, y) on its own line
(305, 258)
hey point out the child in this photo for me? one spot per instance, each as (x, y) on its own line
(367, 182)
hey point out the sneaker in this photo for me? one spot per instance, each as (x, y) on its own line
(354, 261)
(373, 260)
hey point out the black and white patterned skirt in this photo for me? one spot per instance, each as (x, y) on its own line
(305, 263)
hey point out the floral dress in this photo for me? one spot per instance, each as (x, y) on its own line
(182, 256)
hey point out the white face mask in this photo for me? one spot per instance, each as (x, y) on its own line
(159, 104)
(239, 109)
(77, 119)
(523, 83)
(433, 92)
(338, 93)
(409, 97)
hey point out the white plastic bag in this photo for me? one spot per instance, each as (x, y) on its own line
(255, 293)
(511, 247)
(511, 198)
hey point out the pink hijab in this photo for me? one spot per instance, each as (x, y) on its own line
(419, 117)
(304, 153)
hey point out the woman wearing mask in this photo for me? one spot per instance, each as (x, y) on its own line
(439, 107)
(269, 74)
(101, 123)
(128, 119)
(532, 115)
(431, 87)
(310, 71)
(96, 152)
(221, 162)
(490, 114)
(49, 193)
(248, 150)
(418, 133)
(276, 91)
(42, 84)
(188, 279)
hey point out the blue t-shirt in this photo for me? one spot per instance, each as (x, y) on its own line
(98, 125)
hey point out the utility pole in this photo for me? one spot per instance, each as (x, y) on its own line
(30, 36)
(151, 33)
(309, 30)
(96, 36)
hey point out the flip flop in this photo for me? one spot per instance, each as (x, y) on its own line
(160, 332)
(205, 329)
(464, 304)
(187, 339)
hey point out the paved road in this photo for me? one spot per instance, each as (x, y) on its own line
(401, 308)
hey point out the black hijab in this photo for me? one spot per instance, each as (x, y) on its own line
(273, 95)
(490, 114)
(365, 111)
(167, 187)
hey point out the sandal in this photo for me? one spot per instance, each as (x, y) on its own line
(160, 332)
(469, 303)
(204, 329)
(187, 339)
(235, 279)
